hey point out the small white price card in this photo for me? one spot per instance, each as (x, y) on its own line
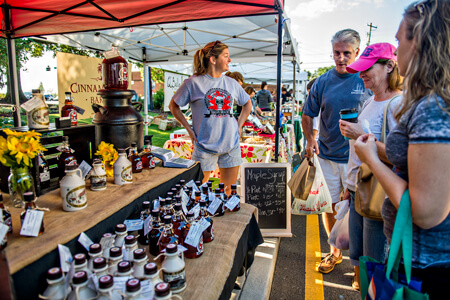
(211, 195)
(84, 240)
(120, 283)
(147, 225)
(147, 289)
(231, 204)
(32, 223)
(31, 104)
(204, 224)
(156, 203)
(215, 203)
(65, 258)
(196, 210)
(3, 231)
(107, 242)
(184, 201)
(134, 225)
(194, 234)
(85, 168)
(194, 187)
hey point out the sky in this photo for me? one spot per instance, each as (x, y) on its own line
(313, 23)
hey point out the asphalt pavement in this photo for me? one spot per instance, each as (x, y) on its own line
(295, 276)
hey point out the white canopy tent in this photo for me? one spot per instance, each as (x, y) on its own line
(252, 42)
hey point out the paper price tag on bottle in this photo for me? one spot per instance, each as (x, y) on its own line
(196, 210)
(215, 203)
(107, 242)
(211, 195)
(3, 230)
(147, 289)
(32, 223)
(203, 196)
(231, 204)
(147, 225)
(65, 258)
(194, 187)
(193, 237)
(31, 104)
(120, 283)
(134, 225)
(85, 168)
(79, 110)
(85, 241)
(184, 201)
(204, 224)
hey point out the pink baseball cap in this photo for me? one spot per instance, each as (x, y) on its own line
(371, 54)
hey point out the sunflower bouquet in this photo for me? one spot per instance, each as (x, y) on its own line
(19, 148)
(108, 155)
(17, 151)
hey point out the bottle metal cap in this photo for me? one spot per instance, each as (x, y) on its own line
(121, 228)
(79, 258)
(171, 248)
(106, 281)
(95, 248)
(150, 269)
(130, 239)
(54, 273)
(115, 252)
(162, 289)
(99, 263)
(124, 266)
(133, 285)
(139, 254)
(167, 219)
(79, 277)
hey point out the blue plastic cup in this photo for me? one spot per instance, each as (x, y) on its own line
(349, 115)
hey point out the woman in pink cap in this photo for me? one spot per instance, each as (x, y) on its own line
(378, 70)
(419, 146)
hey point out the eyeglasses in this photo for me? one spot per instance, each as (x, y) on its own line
(212, 48)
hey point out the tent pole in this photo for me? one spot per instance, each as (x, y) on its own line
(12, 67)
(279, 53)
(294, 96)
(146, 98)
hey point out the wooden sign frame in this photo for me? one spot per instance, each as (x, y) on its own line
(271, 232)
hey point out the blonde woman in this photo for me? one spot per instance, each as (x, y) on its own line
(419, 147)
(215, 132)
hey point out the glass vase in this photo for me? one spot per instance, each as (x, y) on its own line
(19, 182)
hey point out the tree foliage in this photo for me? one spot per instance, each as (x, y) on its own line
(320, 71)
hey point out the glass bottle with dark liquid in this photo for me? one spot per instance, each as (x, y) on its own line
(234, 193)
(168, 235)
(154, 234)
(162, 208)
(198, 197)
(114, 71)
(148, 159)
(29, 200)
(69, 110)
(221, 209)
(6, 219)
(210, 186)
(44, 173)
(222, 188)
(208, 234)
(169, 207)
(135, 159)
(66, 157)
(145, 213)
(205, 194)
(192, 252)
(179, 223)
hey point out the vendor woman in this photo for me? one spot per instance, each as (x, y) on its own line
(215, 132)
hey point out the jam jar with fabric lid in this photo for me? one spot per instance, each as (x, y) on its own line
(114, 70)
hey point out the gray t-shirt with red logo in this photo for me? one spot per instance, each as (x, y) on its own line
(211, 100)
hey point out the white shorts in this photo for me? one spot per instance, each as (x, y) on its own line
(335, 175)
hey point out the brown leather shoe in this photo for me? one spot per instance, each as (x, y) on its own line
(327, 264)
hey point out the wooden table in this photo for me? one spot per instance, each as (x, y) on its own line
(29, 258)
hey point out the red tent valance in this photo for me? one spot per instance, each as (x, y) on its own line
(44, 17)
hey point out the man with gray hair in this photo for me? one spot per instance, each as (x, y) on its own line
(335, 90)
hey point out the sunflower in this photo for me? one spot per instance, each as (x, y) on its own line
(24, 149)
(108, 156)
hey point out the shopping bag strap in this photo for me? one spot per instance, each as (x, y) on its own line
(401, 242)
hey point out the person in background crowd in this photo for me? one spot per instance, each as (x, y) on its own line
(264, 98)
(315, 126)
(255, 109)
(284, 95)
(378, 69)
(419, 146)
(240, 79)
(333, 91)
(215, 132)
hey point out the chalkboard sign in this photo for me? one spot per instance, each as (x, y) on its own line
(264, 185)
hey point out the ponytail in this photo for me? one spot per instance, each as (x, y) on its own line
(201, 57)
